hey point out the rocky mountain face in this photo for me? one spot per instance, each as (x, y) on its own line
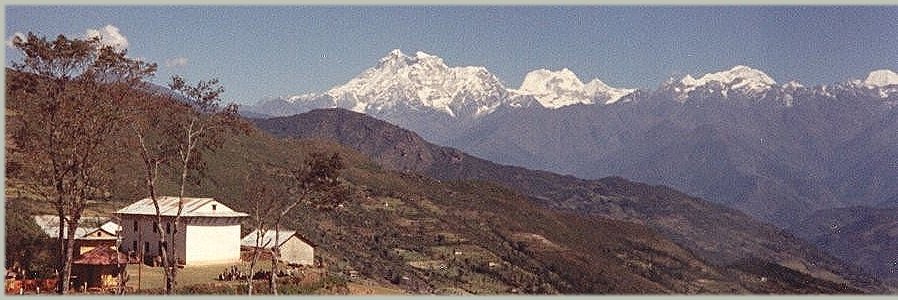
(410, 233)
(422, 93)
(715, 233)
(737, 137)
(773, 151)
(734, 137)
(867, 236)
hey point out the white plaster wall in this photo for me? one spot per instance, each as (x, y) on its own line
(298, 252)
(144, 234)
(209, 244)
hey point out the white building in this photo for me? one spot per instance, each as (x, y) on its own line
(208, 231)
(294, 249)
(91, 233)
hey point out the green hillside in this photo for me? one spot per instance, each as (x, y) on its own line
(421, 235)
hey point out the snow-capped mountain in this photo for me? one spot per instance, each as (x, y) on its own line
(883, 83)
(881, 78)
(421, 82)
(743, 79)
(554, 89)
(421, 91)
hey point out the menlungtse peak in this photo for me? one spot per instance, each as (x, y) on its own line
(554, 89)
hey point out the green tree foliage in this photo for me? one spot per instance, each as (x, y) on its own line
(75, 95)
(27, 247)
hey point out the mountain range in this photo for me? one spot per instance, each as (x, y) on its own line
(407, 232)
(715, 233)
(422, 218)
(776, 151)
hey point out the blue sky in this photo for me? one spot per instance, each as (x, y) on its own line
(269, 51)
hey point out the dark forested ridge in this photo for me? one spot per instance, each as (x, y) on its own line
(466, 234)
(712, 231)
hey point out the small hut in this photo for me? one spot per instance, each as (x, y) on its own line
(99, 268)
(294, 249)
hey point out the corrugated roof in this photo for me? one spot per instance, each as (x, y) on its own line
(102, 256)
(267, 239)
(50, 225)
(111, 227)
(193, 207)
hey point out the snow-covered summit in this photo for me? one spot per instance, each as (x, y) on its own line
(421, 81)
(881, 78)
(554, 89)
(737, 78)
(791, 85)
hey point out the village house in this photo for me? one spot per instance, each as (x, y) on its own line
(294, 250)
(208, 231)
(99, 268)
(92, 232)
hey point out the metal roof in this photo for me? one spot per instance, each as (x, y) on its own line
(268, 238)
(111, 227)
(50, 225)
(193, 207)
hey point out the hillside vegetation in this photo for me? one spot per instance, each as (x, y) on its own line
(422, 235)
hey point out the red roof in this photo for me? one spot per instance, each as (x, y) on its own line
(102, 256)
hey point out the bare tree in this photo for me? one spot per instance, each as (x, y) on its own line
(73, 96)
(266, 195)
(316, 184)
(174, 136)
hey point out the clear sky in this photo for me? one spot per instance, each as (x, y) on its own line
(269, 51)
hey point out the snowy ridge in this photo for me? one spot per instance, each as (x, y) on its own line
(400, 84)
(554, 89)
(881, 78)
(421, 81)
(791, 85)
(740, 78)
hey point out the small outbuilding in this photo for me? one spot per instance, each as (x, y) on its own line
(99, 268)
(294, 249)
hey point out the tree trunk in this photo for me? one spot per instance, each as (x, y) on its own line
(252, 263)
(275, 258)
(69, 253)
(166, 263)
(62, 284)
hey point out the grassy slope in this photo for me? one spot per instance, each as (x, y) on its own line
(422, 235)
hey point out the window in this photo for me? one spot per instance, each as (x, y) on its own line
(99, 233)
(146, 247)
(168, 228)
(135, 227)
(213, 207)
(154, 227)
(133, 245)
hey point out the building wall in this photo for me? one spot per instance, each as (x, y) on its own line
(94, 239)
(213, 242)
(295, 251)
(198, 240)
(84, 246)
(147, 240)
